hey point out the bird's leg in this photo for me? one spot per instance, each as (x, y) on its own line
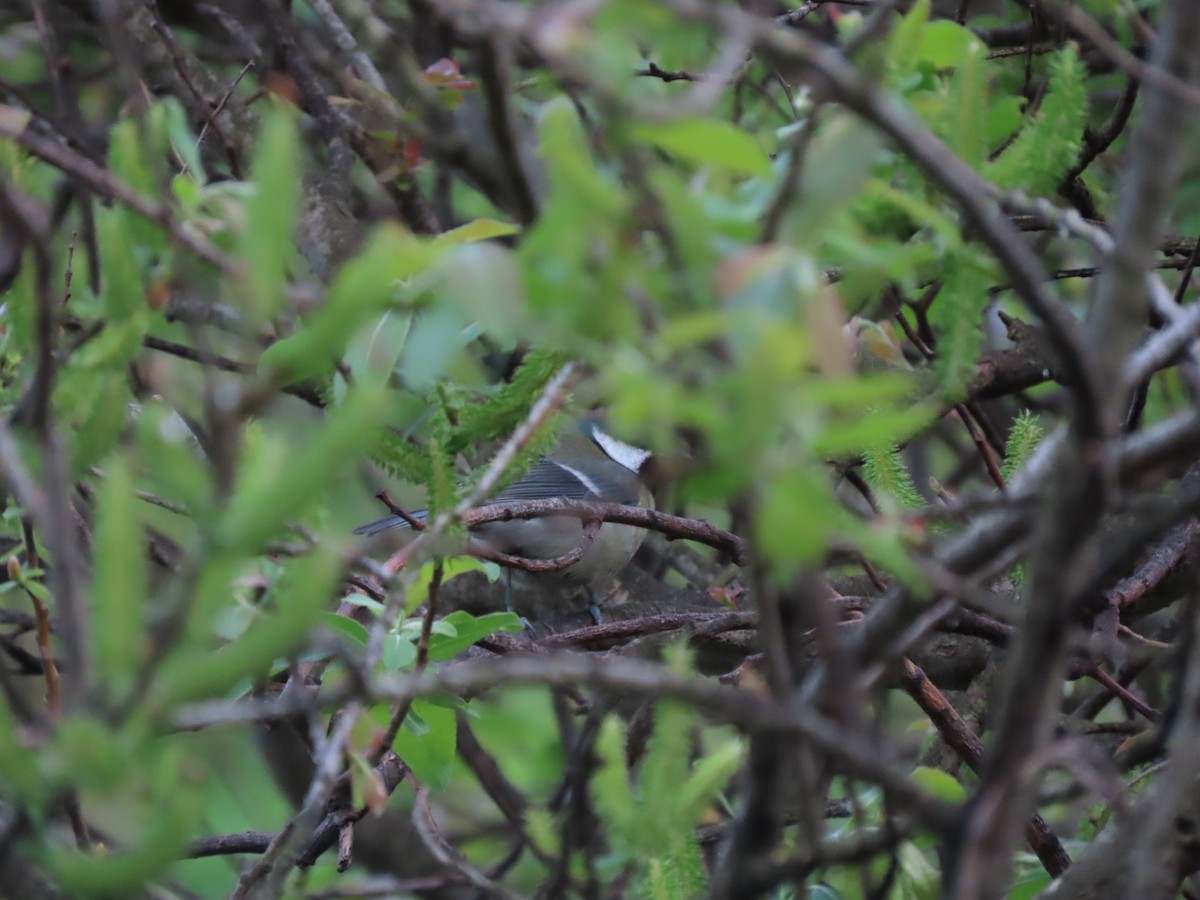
(594, 601)
(508, 602)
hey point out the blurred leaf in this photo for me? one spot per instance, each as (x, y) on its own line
(365, 602)
(361, 289)
(431, 755)
(20, 306)
(484, 281)
(837, 166)
(572, 172)
(795, 516)
(87, 754)
(266, 242)
(171, 456)
(104, 418)
(904, 43)
(399, 653)
(119, 588)
(131, 146)
(958, 313)
(966, 132)
(418, 591)
(945, 44)
(468, 630)
(195, 672)
(265, 498)
(709, 776)
(940, 784)
(1003, 118)
(707, 142)
(13, 118)
(613, 794)
(922, 879)
(477, 230)
(882, 428)
(122, 873)
(365, 785)
(122, 294)
(1050, 141)
(115, 346)
(20, 772)
(348, 628)
(179, 132)
(889, 478)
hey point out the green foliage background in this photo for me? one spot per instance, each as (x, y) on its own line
(647, 263)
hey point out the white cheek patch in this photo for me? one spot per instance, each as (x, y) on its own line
(627, 455)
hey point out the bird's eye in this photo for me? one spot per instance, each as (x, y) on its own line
(632, 458)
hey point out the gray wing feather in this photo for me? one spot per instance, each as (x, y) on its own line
(544, 481)
(547, 479)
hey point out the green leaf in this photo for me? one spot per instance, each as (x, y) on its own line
(128, 159)
(882, 428)
(365, 602)
(399, 652)
(794, 518)
(431, 754)
(574, 179)
(477, 230)
(945, 44)
(889, 477)
(115, 346)
(452, 566)
(709, 776)
(837, 167)
(173, 466)
(1049, 144)
(179, 133)
(266, 498)
(613, 796)
(967, 130)
(21, 305)
(1023, 438)
(124, 872)
(957, 313)
(484, 281)
(20, 770)
(662, 774)
(119, 587)
(194, 671)
(104, 419)
(469, 630)
(710, 142)
(362, 288)
(266, 241)
(122, 293)
(87, 754)
(920, 877)
(348, 628)
(905, 40)
(938, 783)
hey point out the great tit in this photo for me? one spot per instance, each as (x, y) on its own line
(586, 463)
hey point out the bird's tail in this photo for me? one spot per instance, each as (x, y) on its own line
(389, 522)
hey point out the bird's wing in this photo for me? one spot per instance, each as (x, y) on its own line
(548, 478)
(388, 522)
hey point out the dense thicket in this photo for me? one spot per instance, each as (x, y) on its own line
(901, 297)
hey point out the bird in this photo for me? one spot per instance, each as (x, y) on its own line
(586, 463)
